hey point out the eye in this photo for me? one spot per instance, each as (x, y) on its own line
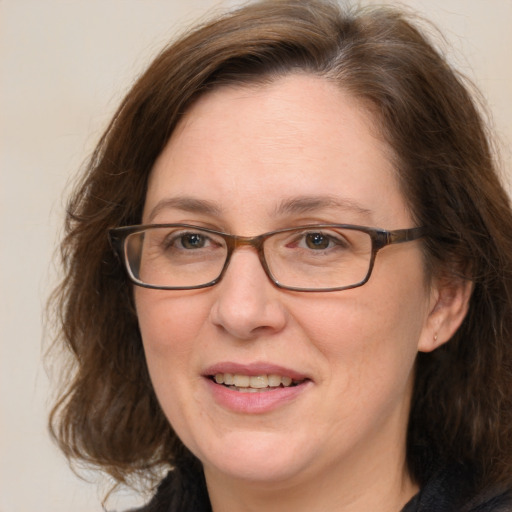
(188, 241)
(321, 241)
(192, 240)
(317, 241)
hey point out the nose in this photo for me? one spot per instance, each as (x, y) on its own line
(247, 304)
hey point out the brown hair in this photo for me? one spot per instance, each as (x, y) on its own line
(462, 402)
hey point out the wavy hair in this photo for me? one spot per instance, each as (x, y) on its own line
(461, 411)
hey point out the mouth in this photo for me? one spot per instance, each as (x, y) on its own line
(254, 383)
(255, 388)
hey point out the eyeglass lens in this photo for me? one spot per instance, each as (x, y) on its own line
(314, 258)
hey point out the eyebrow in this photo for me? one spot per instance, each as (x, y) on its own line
(290, 206)
(306, 204)
(187, 204)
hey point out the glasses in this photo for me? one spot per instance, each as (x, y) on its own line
(323, 257)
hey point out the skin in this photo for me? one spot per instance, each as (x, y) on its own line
(340, 443)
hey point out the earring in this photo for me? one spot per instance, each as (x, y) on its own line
(435, 337)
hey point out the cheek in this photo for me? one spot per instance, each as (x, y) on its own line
(369, 336)
(358, 323)
(170, 326)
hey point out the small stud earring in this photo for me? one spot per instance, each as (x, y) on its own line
(435, 337)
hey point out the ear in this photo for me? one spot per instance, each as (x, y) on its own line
(449, 304)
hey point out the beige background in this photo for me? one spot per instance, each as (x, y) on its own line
(64, 66)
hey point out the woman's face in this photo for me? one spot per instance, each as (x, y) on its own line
(248, 160)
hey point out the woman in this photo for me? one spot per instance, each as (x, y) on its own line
(310, 306)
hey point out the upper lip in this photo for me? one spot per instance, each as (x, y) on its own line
(253, 370)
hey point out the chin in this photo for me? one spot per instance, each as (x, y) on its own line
(257, 458)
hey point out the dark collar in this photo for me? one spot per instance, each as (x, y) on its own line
(454, 490)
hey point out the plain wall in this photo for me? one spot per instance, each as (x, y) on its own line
(65, 64)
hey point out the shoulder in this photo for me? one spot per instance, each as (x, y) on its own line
(499, 501)
(182, 490)
(453, 490)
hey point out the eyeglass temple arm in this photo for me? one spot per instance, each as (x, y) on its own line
(405, 235)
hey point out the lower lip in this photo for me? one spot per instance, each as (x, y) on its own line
(255, 403)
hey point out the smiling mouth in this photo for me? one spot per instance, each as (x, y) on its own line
(254, 383)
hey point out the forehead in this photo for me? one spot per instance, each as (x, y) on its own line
(297, 111)
(250, 148)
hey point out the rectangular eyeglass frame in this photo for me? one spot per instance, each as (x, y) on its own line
(379, 238)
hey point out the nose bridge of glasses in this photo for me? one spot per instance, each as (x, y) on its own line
(255, 242)
(237, 242)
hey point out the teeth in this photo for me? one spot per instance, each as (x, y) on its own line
(274, 381)
(249, 384)
(241, 381)
(286, 381)
(259, 382)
